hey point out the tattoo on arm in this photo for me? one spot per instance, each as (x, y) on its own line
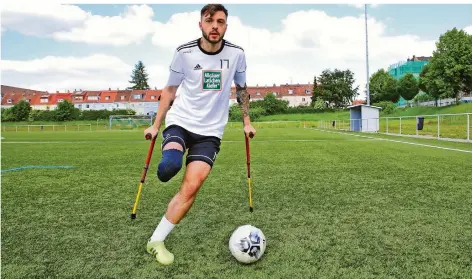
(243, 96)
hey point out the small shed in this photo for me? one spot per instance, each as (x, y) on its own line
(364, 118)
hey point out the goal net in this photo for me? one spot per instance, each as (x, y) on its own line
(129, 122)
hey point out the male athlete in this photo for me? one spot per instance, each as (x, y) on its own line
(203, 70)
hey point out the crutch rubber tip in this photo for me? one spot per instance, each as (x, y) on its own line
(133, 216)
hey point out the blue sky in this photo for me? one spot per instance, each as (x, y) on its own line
(36, 48)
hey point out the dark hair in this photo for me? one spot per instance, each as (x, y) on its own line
(212, 9)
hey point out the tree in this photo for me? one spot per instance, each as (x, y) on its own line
(452, 63)
(337, 87)
(408, 86)
(139, 77)
(383, 87)
(21, 110)
(272, 105)
(317, 92)
(431, 84)
(65, 110)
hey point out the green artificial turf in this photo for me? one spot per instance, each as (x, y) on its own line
(330, 205)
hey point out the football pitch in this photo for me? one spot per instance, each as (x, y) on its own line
(331, 205)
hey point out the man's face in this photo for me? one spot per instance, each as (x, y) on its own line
(213, 27)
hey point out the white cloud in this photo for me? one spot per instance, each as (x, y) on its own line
(468, 29)
(131, 27)
(40, 18)
(307, 43)
(362, 6)
(52, 73)
(70, 23)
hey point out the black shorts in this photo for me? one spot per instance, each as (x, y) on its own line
(200, 148)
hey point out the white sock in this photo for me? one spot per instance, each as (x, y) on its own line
(162, 230)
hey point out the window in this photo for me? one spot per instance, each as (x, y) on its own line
(107, 98)
(87, 106)
(303, 99)
(258, 93)
(153, 97)
(60, 100)
(44, 100)
(290, 91)
(92, 98)
(9, 101)
(137, 96)
(122, 97)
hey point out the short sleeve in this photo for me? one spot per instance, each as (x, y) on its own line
(241, 68)
(240, 74)
(176, 70)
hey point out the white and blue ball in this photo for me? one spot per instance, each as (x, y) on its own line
(247, 244)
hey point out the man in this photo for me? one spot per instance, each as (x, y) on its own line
(203, 70)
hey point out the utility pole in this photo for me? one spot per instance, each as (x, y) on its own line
(367, 56)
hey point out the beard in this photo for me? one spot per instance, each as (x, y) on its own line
(207, 37)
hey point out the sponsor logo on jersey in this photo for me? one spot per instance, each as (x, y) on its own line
(211, 80)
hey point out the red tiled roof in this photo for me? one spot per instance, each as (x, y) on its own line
(59, 97)
(141, 94)
(358, 102)
(155, 93)
(108, 96)
(93, 94)
(146, 95)
(12, 97)
(123, 96)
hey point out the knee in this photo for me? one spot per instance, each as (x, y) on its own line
(170, 164)
(192, 184)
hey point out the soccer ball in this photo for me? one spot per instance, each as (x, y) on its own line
(247, 244)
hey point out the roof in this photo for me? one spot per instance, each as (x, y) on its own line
(111, 94)
(150, 93)
(362, 105)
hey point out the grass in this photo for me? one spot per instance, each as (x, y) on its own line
(449, 126)
(330, 205)
(452, 109)
(340, 115)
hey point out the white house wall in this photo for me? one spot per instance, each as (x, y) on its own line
(295, 101)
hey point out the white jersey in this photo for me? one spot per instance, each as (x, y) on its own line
(202, 101)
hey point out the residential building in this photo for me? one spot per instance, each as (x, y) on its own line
(144, 102)
(414, 65)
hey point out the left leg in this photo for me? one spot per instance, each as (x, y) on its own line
(195, 174)
(200, 159)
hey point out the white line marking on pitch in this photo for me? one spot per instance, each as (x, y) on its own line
(398, 141)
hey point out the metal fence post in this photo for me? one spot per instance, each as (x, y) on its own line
(417, 126)
(400, 125)
(387, 126)
(438, 126)
(468, 126)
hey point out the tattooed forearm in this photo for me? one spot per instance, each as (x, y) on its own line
(243, 97)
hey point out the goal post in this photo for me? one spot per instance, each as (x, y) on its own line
(129, 122)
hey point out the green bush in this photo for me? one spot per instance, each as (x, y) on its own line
(7, 115)
(42, 115)
(387, 107)
(235, 113)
